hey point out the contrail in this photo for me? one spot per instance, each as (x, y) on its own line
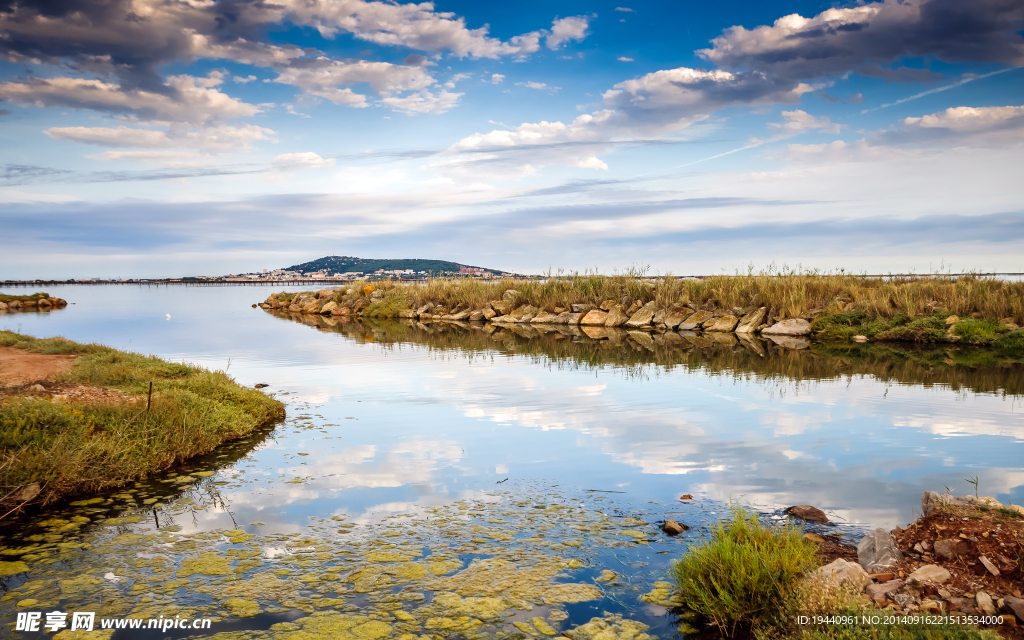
(931, 91)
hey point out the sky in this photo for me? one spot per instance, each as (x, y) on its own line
(159, 138)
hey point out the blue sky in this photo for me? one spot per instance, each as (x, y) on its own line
(156, 137)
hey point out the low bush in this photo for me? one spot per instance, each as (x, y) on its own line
(745, 573)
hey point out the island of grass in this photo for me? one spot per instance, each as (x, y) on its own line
(93, 425)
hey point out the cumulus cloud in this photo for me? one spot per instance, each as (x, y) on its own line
(537, 85)
(973, 127)
(567, 29)
(864, 37)
(324, 77)
(423, 102)
(497, 78)
(187, 99)
(301, 161)
(798, 121)
(214, 138)
(245, 80)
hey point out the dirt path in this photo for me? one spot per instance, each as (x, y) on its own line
(18, 367)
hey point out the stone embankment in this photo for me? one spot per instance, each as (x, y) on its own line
(591, 319)
(964, 557)
(32, 304)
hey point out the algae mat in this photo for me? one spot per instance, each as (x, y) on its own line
(520, 563)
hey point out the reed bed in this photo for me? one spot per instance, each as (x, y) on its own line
(791, 295)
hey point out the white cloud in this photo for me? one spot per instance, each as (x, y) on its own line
(300, 161)
(215, 138)
(798, 121)
(192, 100)
(326, 76)
(627, 9)
(24, 197)
(497, 78)
(625, 59)
(536, 85)
(244, 80)
(424, 102)
(565, 29)
(456, 78)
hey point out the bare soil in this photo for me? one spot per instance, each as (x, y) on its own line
(19, 368)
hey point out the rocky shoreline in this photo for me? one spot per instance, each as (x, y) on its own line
(31, 303)
(963, 558)
(633, 316)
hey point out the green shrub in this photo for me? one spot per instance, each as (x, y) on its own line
(744, 574)
(1011, 344)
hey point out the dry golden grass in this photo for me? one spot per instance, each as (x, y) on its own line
(790, 294)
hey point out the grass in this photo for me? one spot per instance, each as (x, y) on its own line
(787, 295)
(749, 576)
(78, 447)
(744, 574)
(35, 297)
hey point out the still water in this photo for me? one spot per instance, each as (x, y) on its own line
(541, 448)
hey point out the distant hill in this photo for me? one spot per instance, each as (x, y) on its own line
(343, 264)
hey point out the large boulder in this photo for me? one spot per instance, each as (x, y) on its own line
(877, 551)
(933, 500)
(544, 317)
(607, 305)
(807, 512)
(791, 327)
(501, 307)
(694, 320)
(1016, 605)
(595, 317)
(843, 573)
(750, 322)
(642, 317)
(724, 324)
(488, 313)
(616, 316)
(328, 308)
(573, 318)
(523, 313)
(509, 297)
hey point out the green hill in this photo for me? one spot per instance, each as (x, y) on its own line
(344, 264)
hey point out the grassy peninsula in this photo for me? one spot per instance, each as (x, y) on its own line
(90, 429)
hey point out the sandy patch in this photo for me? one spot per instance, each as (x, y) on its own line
(18, 367)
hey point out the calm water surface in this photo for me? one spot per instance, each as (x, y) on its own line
(385, 424)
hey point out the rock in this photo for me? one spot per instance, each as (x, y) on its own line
(929, 574)
(406, 313)
(686, 496)
(1016, 507)
(877, 551)
(642, 317)
(813, 537)
(859, 338)
(328, 308)
(841, 572)
(985, 603)
(488, 313)
(616, 316)
(500, 306)
(607, 305)
(477, 316)
(902, 599)
(673, 528)
(28, 492)
(46, 303)
(633, 308)
(642, 338)
(3, 306)
(15, 304)
(260, 385)
(424, 309)
(1016, 605)
(462, 315)
(377, 295)
(562, 317)
(324, 293)
(878, 592)
(509, 297)
(573, 318)
(807, 512)
(989, 501)
(544, 317)
(694, 320)
(523, 313)
(595, 317)
(792, 327)
(725, 324)
(988, 565)
(38, 388)
(581, 308)
(750, 322)
(675, 317)
(932, 500)
(343, 311)
(952, 320)
(951, 549)
(930, 606)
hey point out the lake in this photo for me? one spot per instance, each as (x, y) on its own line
(413, 446)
